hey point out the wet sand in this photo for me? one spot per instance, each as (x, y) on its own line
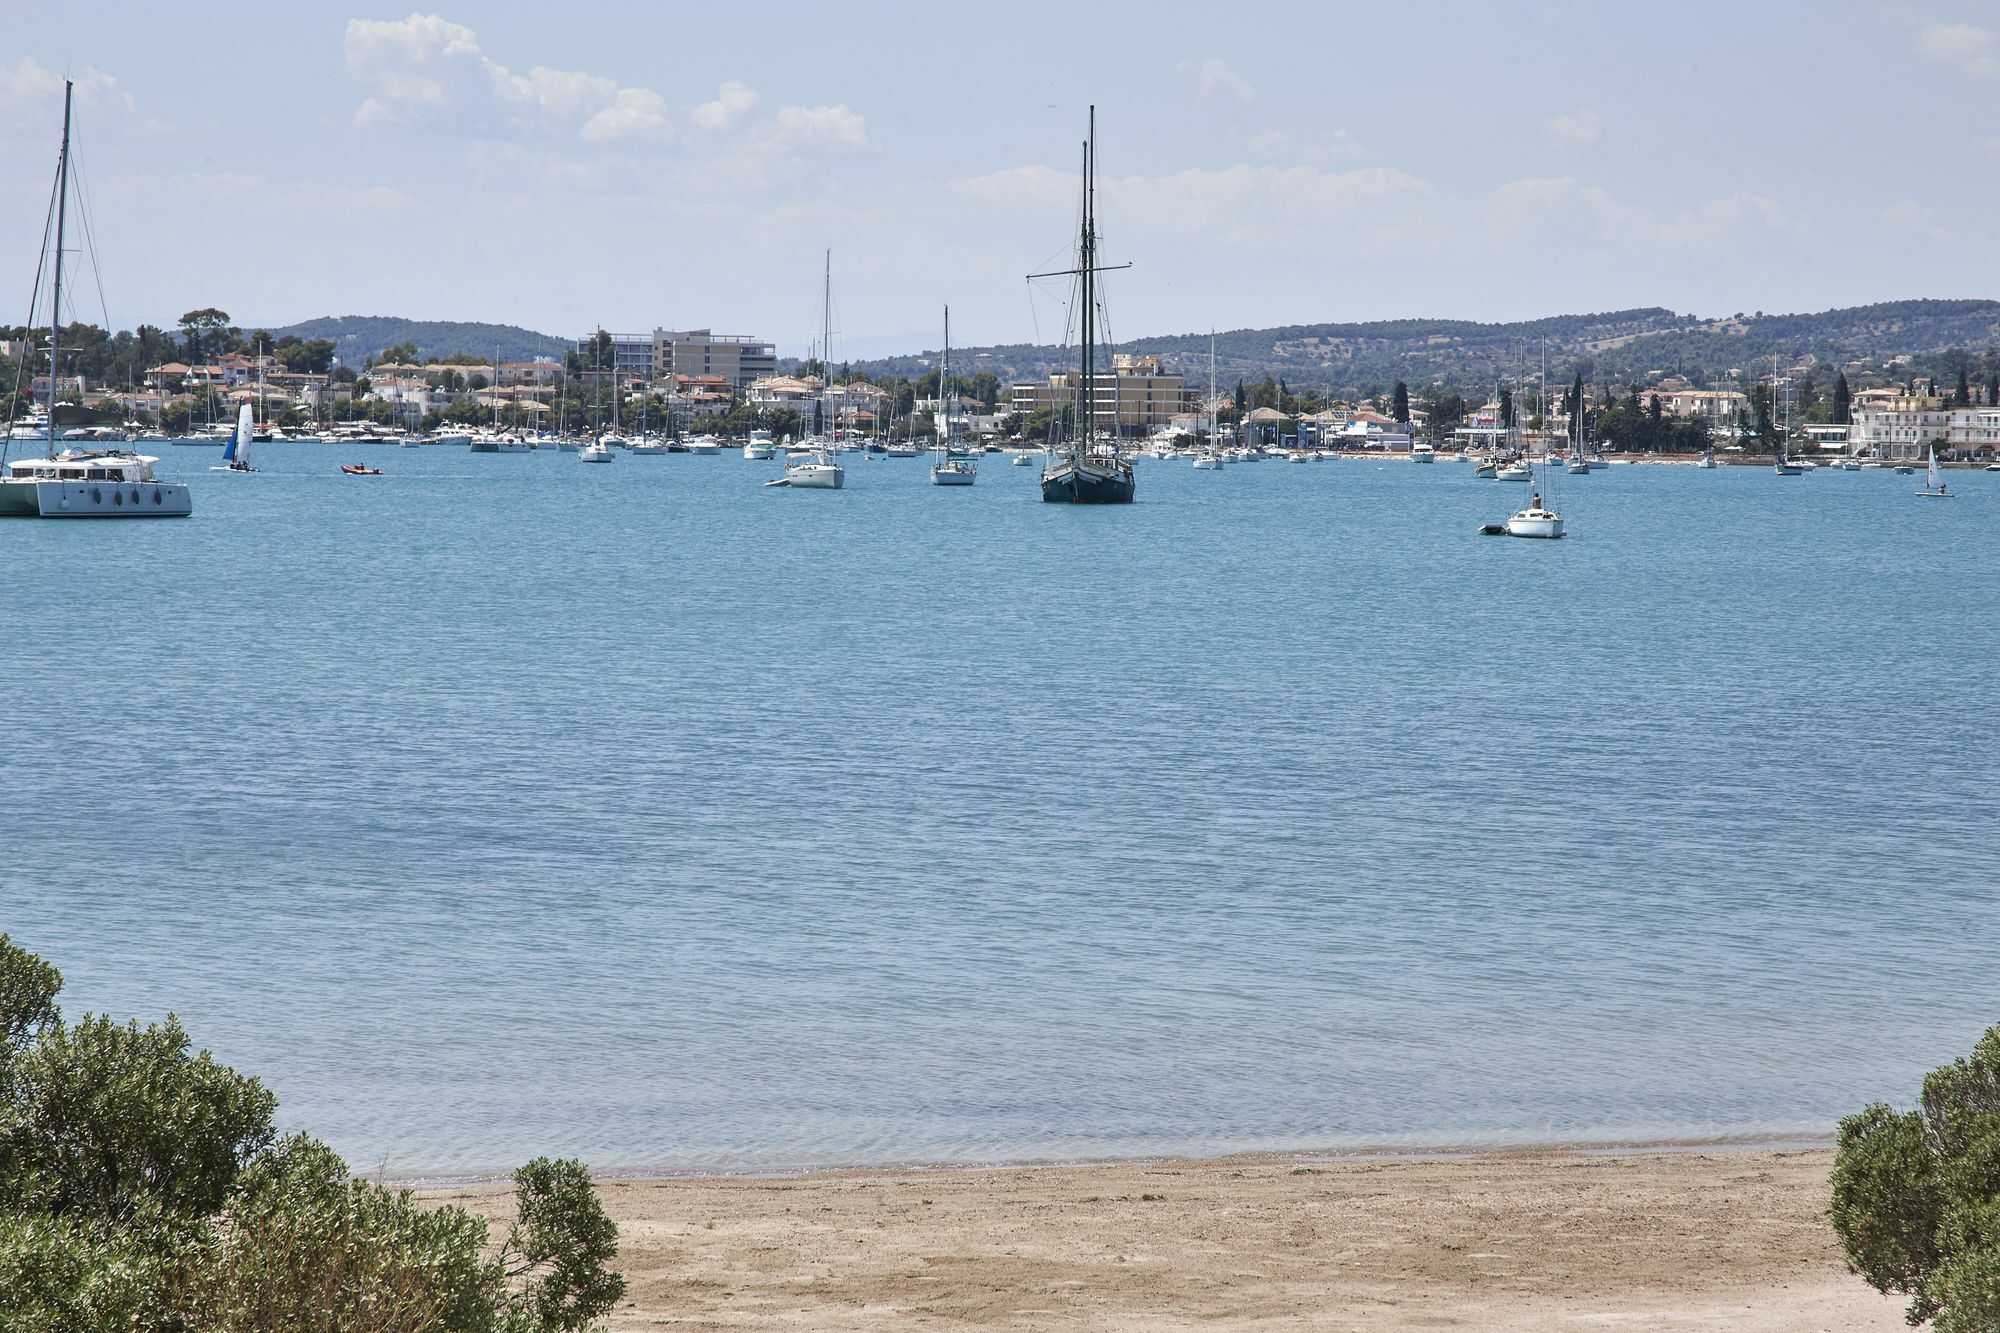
(1711, 1239)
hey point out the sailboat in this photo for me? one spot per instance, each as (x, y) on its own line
(1209, 457)
(816, 469)
(1089, 470)
(236, 454)
(1707, 457)
(1934, 478)
(1538, 519)
(93, 483)
(947, 470)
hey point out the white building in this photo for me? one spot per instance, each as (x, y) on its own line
(1891, 424)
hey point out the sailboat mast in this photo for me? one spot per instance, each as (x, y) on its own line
(55, 291)
(826, 343)
(1087, 428)
(944, 378)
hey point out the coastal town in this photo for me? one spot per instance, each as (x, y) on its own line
(676, 380)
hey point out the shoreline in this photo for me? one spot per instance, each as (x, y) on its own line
(1678, 1237)
(423, 1181)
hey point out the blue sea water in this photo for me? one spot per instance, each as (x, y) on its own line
(502, 805)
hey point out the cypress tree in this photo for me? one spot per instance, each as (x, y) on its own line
(1842, 400)
(1400, 404)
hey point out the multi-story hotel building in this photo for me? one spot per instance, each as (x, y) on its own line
(1137, 397)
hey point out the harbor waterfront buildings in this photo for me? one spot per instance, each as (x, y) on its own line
(1890, 423)
(1139, 397)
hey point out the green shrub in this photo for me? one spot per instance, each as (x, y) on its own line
(143, 1186)
(1916, 1195)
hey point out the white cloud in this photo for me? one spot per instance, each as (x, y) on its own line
(30, 93)
(636, 113)
(1575, 127)
(1962, 45)
(805, 129)
(733, 101)
(426, 68)
(1215, 76)
(1918, 220)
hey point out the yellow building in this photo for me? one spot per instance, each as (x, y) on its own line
(1136, 398)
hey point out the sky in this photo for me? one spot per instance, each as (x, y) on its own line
(643, 165)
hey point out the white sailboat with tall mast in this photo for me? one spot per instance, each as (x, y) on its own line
(1209, 457)
(71, 483)
(947, 468)
(818, 468)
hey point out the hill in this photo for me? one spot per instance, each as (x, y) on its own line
(355, 338)
(1613, 348)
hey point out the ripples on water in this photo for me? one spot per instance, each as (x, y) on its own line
(503, 805)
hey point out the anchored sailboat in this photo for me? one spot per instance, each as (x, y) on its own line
(947, 469)
(71, 483)
(1089, 470)
(817, 469)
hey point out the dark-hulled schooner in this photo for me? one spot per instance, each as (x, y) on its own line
(1088, 470)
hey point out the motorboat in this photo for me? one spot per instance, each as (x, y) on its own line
(1423, 452)
(359, 470)
(759, 448)
(704, 444)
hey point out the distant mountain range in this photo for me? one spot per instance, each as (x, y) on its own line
(355, 338)
(1614, 348)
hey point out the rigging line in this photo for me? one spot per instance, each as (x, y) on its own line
(26, 367)
(89, 229)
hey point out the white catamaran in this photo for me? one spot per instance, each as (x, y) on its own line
(72, 483)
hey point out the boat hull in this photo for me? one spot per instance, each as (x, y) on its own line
(952, 476)
(102, 499)
(816, 477)
(1087, 484)
(1545, 526)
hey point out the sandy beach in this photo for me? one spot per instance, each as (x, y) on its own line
(1722, 1238)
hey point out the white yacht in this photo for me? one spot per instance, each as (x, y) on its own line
(760, 448)
(704, 444)
(91, 483)
(108, 483)
(597, 451)
(1423, 452)
(1024, 459)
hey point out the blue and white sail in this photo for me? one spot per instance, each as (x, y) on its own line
(237, 452)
